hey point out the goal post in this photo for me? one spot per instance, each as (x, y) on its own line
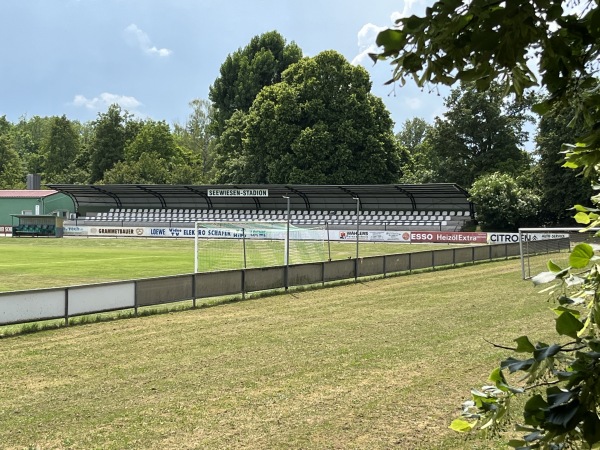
(238, 245)
(538, 241)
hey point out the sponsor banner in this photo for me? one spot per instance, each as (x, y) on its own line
(370, 235)
(72, 230)
(5, 229)
(115, 231)
(506, 238)
(450, 237)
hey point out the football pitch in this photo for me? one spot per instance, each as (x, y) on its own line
(31, 263)
(377, 364)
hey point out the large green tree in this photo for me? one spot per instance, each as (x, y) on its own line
(28, 137)
(196, 138)
(502, 204)
(246, 71)
(561, 188)
(11, 167)
(108, 145)
(151, 157)
(59, 150)
(479, 134)
(482, 41)
(319, 125)
(415, 140)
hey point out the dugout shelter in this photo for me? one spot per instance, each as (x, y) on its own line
(312, 198)
(33, 201)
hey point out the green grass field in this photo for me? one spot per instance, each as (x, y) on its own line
(378, 364)
(29, 263)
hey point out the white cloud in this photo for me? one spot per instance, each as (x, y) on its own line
(413, 103)
(368, 33)
(106, 99)
(138, 38)
(366, 42)
(408, 10)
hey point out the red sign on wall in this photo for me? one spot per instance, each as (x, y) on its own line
(449, 237)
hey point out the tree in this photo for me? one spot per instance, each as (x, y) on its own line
(147, 169)
(195, 137)
(108, 145)
(28, 136)
(502, 204)
(245, 72)
(150, 158)
(5, 125)
(11, 170)
(561, 188)
(414, 139)
(479, 134)
(231, 161)
(59, 149)
(481, 41)
(320, 125)
(153, 138)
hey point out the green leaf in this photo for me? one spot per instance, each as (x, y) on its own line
(594, 344)
(545, 352)
(541, 108)
(581, 208)
(462, 426)
(568, 325)
(534, 410)
(581, 217)
(562, 309)
(591, 428)
(524, 345)
(564, 415)
(581, 256)
(391, 40)
(498, 378)
(553, 267)
(414, 24)
(516, 443)
(514, 365)
(557, 396)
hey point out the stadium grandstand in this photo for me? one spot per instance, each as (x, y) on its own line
(439, 206)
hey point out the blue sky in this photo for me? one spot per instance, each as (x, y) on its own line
(153, 57)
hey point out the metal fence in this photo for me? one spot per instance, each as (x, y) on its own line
(66, 302)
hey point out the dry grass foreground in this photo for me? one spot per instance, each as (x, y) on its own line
(375, 365)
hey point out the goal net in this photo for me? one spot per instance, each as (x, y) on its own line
(237, 245)
(537, 243)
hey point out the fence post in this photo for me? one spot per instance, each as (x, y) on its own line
(135, 298)
(243, 284)
(384, 266)
(66, 307)
(194, 291)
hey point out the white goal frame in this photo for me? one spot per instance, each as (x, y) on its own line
(545, 231)
(282, 231)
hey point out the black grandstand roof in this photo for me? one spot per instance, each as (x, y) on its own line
(388, 197)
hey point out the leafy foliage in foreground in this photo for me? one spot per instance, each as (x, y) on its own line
(561, 379)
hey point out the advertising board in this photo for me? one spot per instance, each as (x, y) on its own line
(450, 237)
